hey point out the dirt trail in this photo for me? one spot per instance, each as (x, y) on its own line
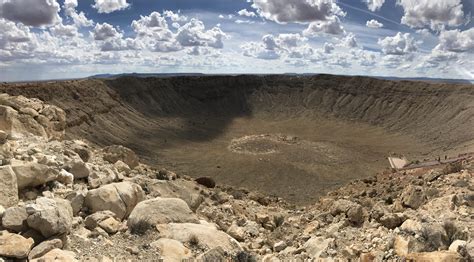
(345, 126)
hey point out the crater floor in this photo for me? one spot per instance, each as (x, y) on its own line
(297, 159)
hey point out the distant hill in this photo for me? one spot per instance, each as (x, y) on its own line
(426, 79)
(437, 80)
(144, 75)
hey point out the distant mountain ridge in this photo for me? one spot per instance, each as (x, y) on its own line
(143, 75)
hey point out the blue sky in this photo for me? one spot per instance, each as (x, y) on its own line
(49, 39)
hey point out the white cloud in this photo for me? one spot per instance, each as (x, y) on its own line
(374, 5)
(435, 14)
(297, 11)
(194, 33)
(109, 6)
(245, 12)
(374, 24)
(239, 21)
(31, 12)
(154, 32)
(175, 17)
(271, 47)
(79, 19)
(456, 40)
(349, 41)
(331, 26)
(15, 37)
(328, 48)
(400, 44)
(105, 31)
(64, 30)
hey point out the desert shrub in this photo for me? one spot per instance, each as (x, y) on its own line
(453, 232)
(193, 240)
(452, 168)
(431, 243)
(244, 256)
(141, 227)
(278, 220)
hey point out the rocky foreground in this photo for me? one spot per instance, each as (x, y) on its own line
(63, 200)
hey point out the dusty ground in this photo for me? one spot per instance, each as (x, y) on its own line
(321, 158)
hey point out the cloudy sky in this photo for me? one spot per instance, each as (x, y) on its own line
(50, 39)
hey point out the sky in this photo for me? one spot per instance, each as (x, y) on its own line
(60, 39)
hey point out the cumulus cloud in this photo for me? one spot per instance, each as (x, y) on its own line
(16, 41)
(400, 44)
(349, 41)
(435, 14)
(245, 12)
(11, 33)
(331, 26)
(273, 47)
(64, 30)
(374, 24)
(31, 12)
(456, 40)
(438, 57)
(175, 17)
(195, 34)
(79, 19)
(109, 6)
(105, 31)
(297, 11)
(328, 48)
(154, 32)
(374, 5)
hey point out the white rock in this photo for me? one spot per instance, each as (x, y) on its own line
(171, 250)
(206, 235)
(50, 216)
(8, 187)
(65, 177)
(317, 245)
(14, 246)
(162, 210)
(30, 174)
(57, 255)
(457, 245)
(120, 198)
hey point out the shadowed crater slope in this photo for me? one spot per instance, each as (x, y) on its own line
(293, 136)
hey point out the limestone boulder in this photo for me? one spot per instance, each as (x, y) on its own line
(92, 221)
(392, 220)
(57, 255)
(437, 256)
(183, 189)
(162, 210)
(21, 117)
(79, 169)
(171, 250)
(120, 198)
(30, 174)
(50, 216)
(44, 247)
(413, 197)
(353, 211)
(14, 246)
(315, 246)
(77, 200)
(8, 187)
(14, 219)
(115, 153)
(203, 235)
